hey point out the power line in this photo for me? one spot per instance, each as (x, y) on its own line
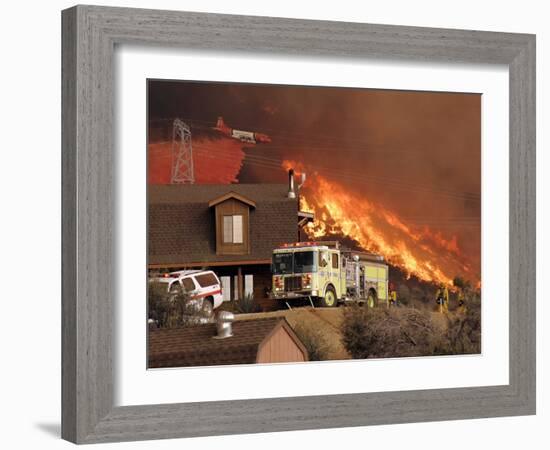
(276, 164)
(310, 138)
(339, 149)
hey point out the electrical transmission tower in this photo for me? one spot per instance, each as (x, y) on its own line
(182, 154)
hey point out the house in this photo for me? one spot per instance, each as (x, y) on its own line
(270, 340)
(231, 229)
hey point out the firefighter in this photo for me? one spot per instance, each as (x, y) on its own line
(393, 295)
(461, 300)
(442, 298)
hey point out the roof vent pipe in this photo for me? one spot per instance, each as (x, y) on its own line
(302, 181)
(291, 191)
(224, 327)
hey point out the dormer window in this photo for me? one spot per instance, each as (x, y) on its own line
(232, 212)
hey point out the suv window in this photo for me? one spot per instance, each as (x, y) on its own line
(188, 284)
(206, 279)
(323, 259)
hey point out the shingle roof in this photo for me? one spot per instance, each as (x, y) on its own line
(203, 193)
(181, 226)
(195, 345)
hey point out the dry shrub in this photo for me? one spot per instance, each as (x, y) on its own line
(247, 305)
(317, 346)
(463, 333)
(358, 337)
(382, 333)
(401, 332)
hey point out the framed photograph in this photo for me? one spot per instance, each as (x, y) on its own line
(277, 224)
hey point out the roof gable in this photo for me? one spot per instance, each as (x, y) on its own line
(204, 193)
(234, 195)
(282, 323)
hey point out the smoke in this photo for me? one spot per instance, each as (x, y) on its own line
(216, 161)
(416, 153)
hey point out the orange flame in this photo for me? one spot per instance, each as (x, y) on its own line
(419, 252)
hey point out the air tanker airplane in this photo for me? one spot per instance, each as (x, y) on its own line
(244, 136)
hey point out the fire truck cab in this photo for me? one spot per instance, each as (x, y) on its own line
(328, 274)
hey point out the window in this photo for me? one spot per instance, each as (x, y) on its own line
(282, 263)
(335, 261)
(227, 229)
(233, 229)
(226, 288)
(323, 259)
(248, 285)
(206, 279)
(304, 262)
(188, 284)
(238, 229)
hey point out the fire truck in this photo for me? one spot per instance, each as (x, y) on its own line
(328, 274)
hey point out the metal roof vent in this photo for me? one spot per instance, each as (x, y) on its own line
(224, 327)
(291, 191)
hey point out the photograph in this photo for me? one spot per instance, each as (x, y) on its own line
(291, 224)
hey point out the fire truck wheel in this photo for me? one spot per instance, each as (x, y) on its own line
(329, 300)
(208, 307)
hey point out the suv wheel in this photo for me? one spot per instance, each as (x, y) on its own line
(208, 306)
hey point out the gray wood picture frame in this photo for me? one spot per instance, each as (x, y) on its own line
(90, 34)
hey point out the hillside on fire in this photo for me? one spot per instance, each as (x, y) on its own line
(338, 222)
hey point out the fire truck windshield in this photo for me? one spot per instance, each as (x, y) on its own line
(304, 262)
(293, 262)
(282, 263)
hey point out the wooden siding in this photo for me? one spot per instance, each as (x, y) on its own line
(280, 347)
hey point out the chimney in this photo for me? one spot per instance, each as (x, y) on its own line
(223, 325)
(291, 191)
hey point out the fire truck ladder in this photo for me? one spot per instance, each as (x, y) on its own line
(182, 154)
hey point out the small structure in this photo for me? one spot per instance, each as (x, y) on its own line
(270, 340)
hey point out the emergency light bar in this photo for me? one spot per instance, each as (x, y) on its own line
(334, 244)
(299, 244)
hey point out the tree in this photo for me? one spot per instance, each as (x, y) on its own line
(174, 308)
